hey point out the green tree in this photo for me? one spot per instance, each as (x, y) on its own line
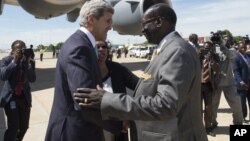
(237, 39)
(227, 32)
(50, 47)
(40, 46)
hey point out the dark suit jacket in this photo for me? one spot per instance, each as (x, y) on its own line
(76, 68)
(121, 78)
(8, 75)
(167, 101)
(241, 71)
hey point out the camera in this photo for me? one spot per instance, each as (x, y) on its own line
(216, 37)
(209, 54)
(204, 52)
(27, 52)
(246, 39)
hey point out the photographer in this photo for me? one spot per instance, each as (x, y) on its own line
(17, 71)
(210, 66)
(225, 78)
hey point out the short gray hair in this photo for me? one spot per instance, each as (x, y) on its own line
(95, 8)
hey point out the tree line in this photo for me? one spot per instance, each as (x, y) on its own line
(50, 47)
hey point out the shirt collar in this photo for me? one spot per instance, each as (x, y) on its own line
(164, 41)
(90, 35)
(191, 43)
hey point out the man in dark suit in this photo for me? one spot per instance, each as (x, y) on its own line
(77, 67)
(241, 67)
(17, 71)
(167, 100)
(193, 41)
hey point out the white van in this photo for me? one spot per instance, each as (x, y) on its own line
(147, 52)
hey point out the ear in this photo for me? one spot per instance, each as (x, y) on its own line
(91, 19)
(158, 22)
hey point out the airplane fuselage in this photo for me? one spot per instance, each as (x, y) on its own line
(126, 19)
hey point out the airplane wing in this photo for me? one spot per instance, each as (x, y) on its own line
(45, 9)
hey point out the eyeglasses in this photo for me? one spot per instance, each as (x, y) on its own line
(101, 46)
(144, 23)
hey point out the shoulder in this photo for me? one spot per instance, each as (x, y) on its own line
(237, 56)
(174, 41)
(77, 41)
(7, 58)
(76, 38)
(180, 46)
(115, 67)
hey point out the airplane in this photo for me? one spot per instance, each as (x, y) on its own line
(126, 19)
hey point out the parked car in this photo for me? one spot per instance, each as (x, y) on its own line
(131, 52)
(138, 51)
(147, 52)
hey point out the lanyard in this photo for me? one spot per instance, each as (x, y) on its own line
(245, 59)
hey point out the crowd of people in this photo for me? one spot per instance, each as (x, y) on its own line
(90, 98)
(225, 68)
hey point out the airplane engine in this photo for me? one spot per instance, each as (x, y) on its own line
(128, 14)
(45, 9)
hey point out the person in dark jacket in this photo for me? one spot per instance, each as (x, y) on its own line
(241, 67)
(17, 71)
(116, 78)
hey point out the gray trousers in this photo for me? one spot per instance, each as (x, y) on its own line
(233, 100)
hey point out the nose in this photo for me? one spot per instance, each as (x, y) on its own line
(144, 30)
(110, 25)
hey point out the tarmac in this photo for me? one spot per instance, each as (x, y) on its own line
(43, 90)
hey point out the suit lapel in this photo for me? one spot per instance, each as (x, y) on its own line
(95, 61)
(163, 45)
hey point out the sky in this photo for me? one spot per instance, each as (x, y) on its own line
(193, 16)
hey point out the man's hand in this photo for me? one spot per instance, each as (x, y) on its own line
(244, 86)
(87, 97)
(125, 126)
(17, 54)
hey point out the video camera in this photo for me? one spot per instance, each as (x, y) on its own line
(209, 54)
(216, 37)
(27, 52)
(205, 51)
(246, 39)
